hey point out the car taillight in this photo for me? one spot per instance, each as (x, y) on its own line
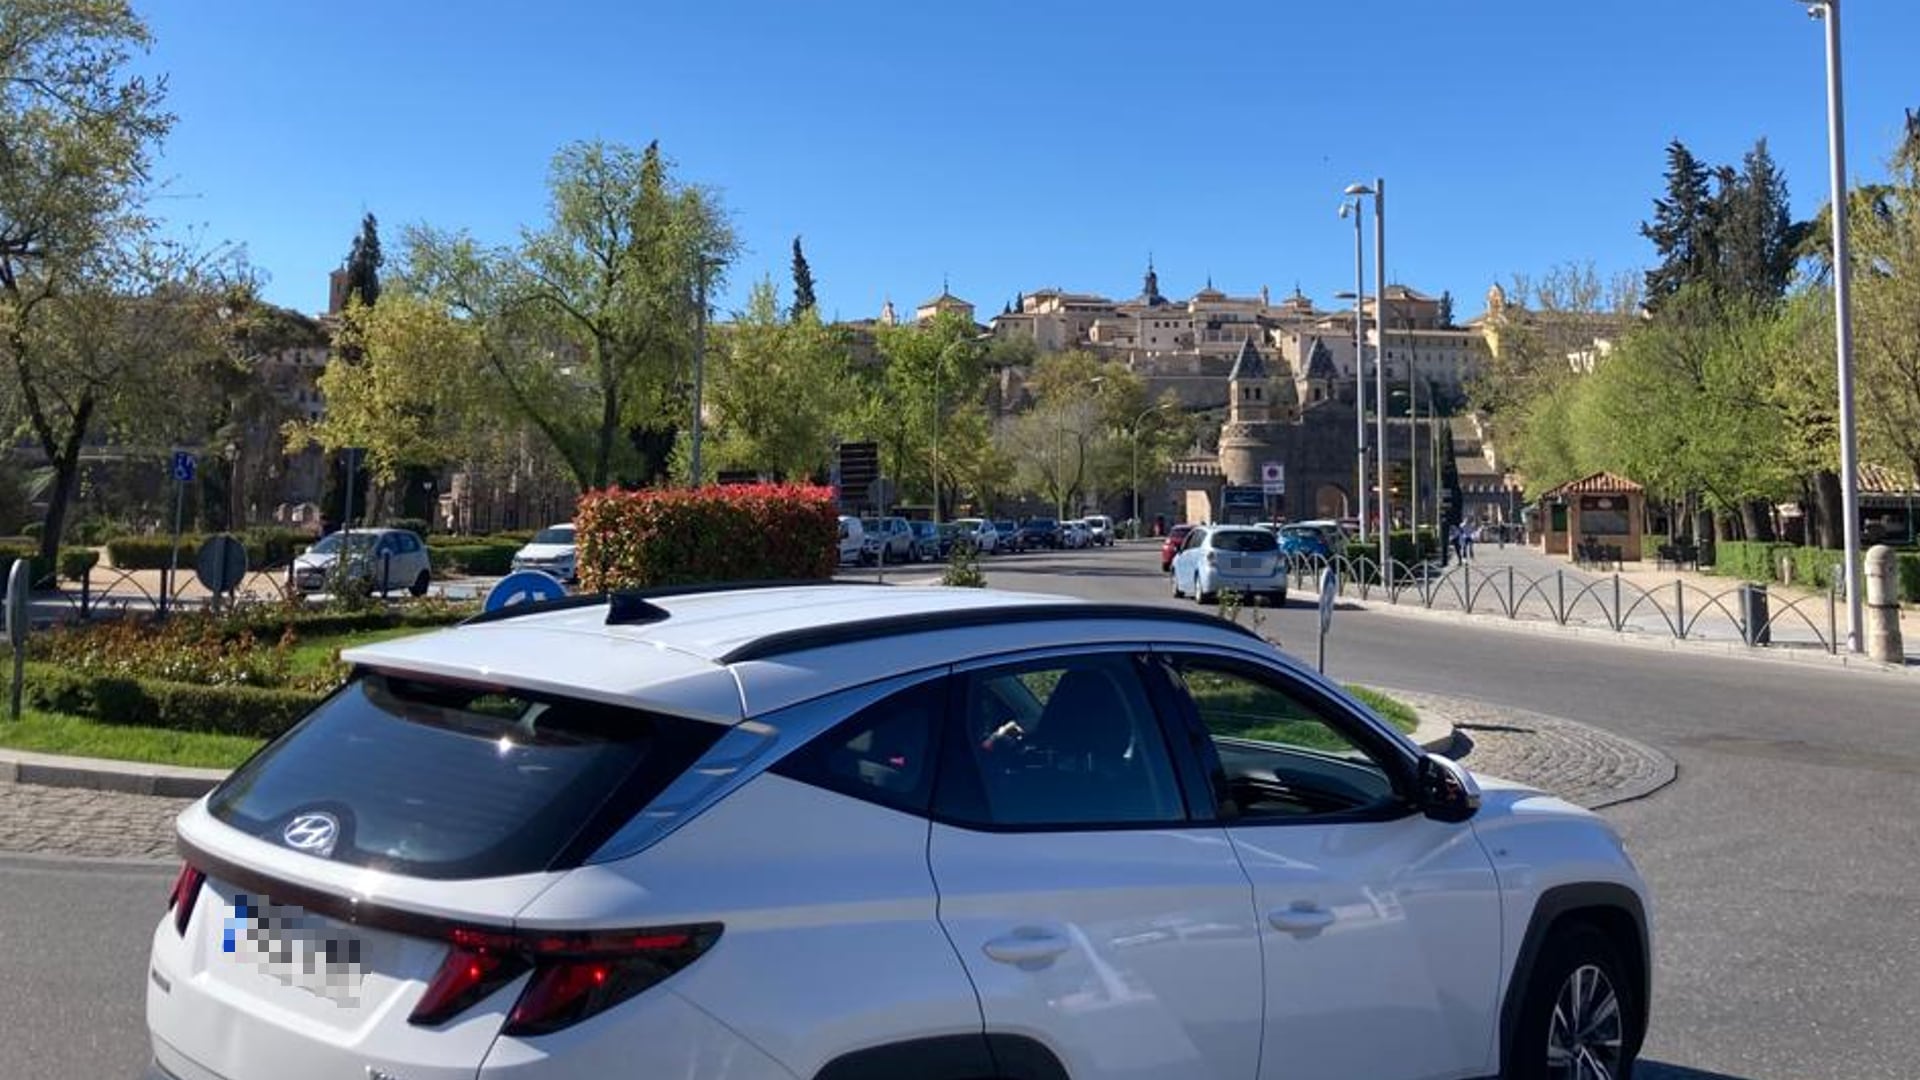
(1211, 559)
(186, 890)
(575, 976)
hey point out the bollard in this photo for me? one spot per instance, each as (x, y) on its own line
(1881, 625)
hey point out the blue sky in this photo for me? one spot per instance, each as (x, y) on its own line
(1012, 146)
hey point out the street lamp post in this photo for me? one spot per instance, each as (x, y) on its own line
(1359, 295)
(1135, 473)
(1829, 11)
(1379, 193)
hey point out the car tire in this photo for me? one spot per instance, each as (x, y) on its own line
(419, 586)
(1177, 594)
(1578, 974)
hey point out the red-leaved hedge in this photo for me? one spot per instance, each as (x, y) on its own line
(667, 536)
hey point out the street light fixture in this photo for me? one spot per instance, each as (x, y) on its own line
(1829, 11)
(1378, 191)
(1135, 474)
(1359, 297)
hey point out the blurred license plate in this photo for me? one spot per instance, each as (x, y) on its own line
(1239, 563)
(295, 948)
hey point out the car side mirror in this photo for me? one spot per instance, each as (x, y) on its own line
(1446, 790)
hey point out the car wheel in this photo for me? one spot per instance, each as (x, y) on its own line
(419, 586)
(1575, 1022)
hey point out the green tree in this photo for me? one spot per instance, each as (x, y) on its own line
(77, 131)
(778, 390)
(930, 371)
(1757, 237)
(1682, 229)
(408, 400)
(1886, 246)
(803, 300)
(363, 263)
(588, 324)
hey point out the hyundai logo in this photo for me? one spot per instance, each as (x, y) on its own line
(313, 833)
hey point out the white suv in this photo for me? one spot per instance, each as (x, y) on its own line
(848, 830)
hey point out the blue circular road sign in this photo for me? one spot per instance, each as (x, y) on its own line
(524, 587)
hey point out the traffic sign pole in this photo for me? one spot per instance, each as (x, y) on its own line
(182, 472)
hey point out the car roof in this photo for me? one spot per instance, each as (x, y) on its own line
(729, 653)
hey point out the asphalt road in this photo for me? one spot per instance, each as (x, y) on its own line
(1785, 860)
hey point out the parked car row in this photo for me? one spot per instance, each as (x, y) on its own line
(872, 540)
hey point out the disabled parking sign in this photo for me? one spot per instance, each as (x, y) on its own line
(524, 587)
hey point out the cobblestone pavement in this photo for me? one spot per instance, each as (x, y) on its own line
(93, 824)
(1581, 764)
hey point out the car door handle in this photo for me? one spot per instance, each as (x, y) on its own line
(1026, 947)
(1300, 918)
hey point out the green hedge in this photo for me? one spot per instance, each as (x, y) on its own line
(118, 699)
(746, 532)
(73, 562)
(317, 622)
(1813, 567)
(265, 548)
(485, 556)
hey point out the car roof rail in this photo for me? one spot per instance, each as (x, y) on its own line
(631, 607)
(885, 626)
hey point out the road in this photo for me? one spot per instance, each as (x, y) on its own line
(1785, 860)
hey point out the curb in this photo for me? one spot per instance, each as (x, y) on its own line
(1435, 733)
(1809, 655)
(100, 774)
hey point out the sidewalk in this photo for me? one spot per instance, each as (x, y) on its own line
(1650, 601)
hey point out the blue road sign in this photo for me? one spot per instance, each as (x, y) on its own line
(183, 466)
(524, 587)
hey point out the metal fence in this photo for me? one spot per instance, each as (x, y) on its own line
(1742, 611)
(108, 591)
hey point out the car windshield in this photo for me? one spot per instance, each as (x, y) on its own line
(1005, 526)
(1248, 540)
(1301, 532)
(559, 534)
(1040, 523)
(870, 524)
(330, 544)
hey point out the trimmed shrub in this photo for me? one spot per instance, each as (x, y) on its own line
(76, 562)
(42, 571)
(149, 552)
(180, 706)
(1402, 548)
(479, 557)
(745, 532)
(418, 526)
(273, 547)
(1910, 576)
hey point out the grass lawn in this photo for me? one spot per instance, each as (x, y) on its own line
(311, 655)
(58, 733)
(1393, 710)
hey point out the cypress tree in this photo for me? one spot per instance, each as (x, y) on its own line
(803, 299)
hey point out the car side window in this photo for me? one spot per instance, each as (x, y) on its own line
(1194, 539)
(1060, 743)
(884, 753)
(1283, 754)
(387, 546)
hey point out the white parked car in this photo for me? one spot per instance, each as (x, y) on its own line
(853, 539)
(385, 559)
(552, 551)
(1075, 534)
(849, 830)
(981, 533)
(888, 540)
(1101, 528)
(1244, 558)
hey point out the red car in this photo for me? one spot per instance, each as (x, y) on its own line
(1171, 546)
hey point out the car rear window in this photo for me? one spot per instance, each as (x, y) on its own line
(449, 780)
(1245, 540)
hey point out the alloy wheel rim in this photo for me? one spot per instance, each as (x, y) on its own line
(1584, 1033)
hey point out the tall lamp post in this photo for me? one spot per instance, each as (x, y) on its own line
(1359, 296)
(1379, 193)
(1135, 474)
(1829, 11)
